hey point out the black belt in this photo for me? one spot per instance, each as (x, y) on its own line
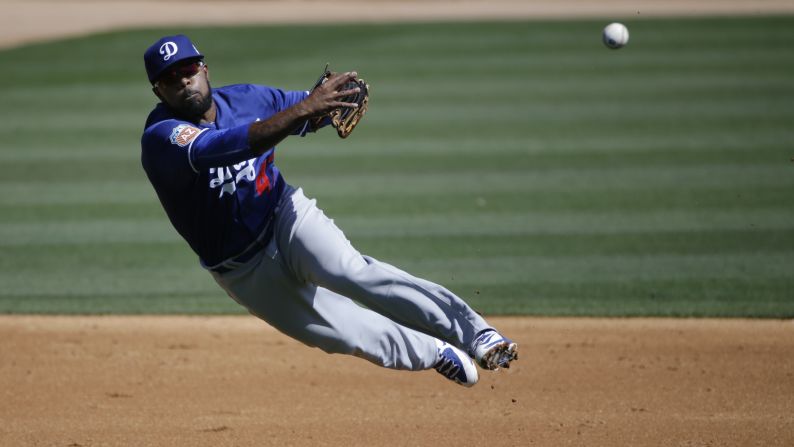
(248, 253)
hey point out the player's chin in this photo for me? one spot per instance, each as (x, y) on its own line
(195, 104)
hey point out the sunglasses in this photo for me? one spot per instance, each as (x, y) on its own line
(173, 76)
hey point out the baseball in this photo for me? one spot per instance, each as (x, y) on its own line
(615, 35)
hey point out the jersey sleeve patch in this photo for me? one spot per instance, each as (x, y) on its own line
(184, 134)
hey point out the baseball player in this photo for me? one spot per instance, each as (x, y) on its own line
(209, 153)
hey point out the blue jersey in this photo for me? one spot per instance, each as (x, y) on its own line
(218, 196)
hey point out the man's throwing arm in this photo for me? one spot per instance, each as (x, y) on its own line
(262, 135)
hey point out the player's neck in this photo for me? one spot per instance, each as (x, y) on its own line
(209, 116)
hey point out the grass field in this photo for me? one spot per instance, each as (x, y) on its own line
(522, 164)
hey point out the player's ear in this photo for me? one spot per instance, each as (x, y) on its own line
(157, 93)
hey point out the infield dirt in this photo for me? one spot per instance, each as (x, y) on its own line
(217, 381)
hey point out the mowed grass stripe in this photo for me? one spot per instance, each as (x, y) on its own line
(549, 163)
(396, 227)
(85, 187)
(594, 87)
(99, 302)
(94, 279)
(431, 164)
(564, 223)
(704, 145)
(75, 191)
(704, 297)
(701, 297)
(633, 201)
(717, 143)
(692, 242)
(764, 175)
(123, 255)
(587, 268)
(481, 203)
(571, 275)
(485, 269)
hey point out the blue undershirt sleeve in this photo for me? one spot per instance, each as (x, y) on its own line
(196, 147)
(212, 148)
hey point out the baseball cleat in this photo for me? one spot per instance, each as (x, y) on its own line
(455, 365)
(493, 351)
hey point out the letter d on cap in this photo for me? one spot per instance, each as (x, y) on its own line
(168, 49)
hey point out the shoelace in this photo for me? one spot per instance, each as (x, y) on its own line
(447, 367)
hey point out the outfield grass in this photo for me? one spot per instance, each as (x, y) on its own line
(523, 165)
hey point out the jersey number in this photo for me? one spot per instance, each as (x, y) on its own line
(262, 180)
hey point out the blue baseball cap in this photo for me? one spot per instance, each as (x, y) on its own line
(166, 52)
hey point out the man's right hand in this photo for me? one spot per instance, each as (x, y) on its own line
(327, 96)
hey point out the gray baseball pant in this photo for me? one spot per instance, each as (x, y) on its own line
(305, 281)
